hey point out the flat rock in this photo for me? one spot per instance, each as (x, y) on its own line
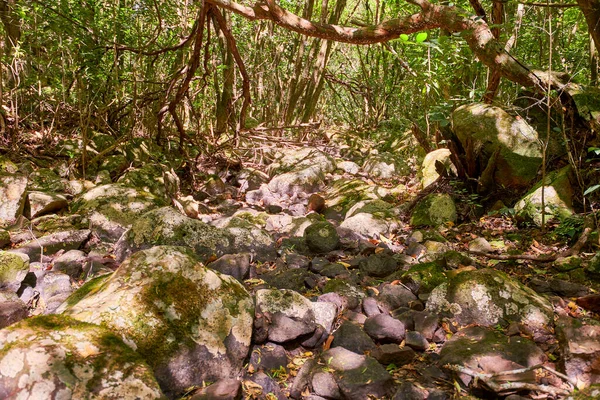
(40, 203)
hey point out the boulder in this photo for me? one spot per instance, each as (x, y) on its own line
(424, 277)
(378, 265)
(113, 208)
(46, 180)
(384, 328)
(53, 243)
(57, 357)
(148, 178)
(12, 197)
(490, 130)
(358, 376)
(428, 169)
(487, 297)
(579, 346)
(290, 314)
(434, 210)
(70, 263)
(558, 198)
(489, 351)
(386, 166)
(321, 237)
(12, 309)
(40, 203)
(368, 226)
(13, 269)
(189, 322)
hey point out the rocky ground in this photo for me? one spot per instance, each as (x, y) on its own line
(320, 274)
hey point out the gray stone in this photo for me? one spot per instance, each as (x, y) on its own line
(290, 314)
(12, 197)
(223, 389)
(324, 384)
(368, 225)
(434, 210)
(268, 357)
(236, 265)
(428, 169)
(40, 203)
(351, 337)
(392, 297)
(579, 344)
(53, 243)
(385, 328)
(480, 244)
(378, 265)
(393, 354)
(386, 166)
(370, 307)
(358, 377)
(325, 314)
(416, 340)
(12, 309)
(70, 263)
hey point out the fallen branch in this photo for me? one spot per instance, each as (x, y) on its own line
(490, 380)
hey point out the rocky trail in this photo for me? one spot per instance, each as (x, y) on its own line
(325, 272)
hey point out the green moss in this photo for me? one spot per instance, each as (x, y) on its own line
(10, 265)
(427, 276)
(90, 287)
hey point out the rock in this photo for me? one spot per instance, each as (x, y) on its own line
(392, 297)
(267, 357)
(428, 169)
(424, 277)
(148, 178)
(249, 179)
(291, 279)
(13, 269)
(350, 336)
(323, 384)
(559, 287)
(46, 180)
(378, 265)
(579, 345)
(12, 309)
(316, 203)
(566, 264)
(385, 166)
(384, 328)
(416, 341)
(290, 314)
(370, 307)
(113, 208)
(393, 354)
(358, 377)
(349, 167)
(492, 130)
(481, 245)
(368, 225)
(321, 237)
(325, 314)
(593, 267)
(70, 263)
(558, 197)
(425, 323)
(114, 164)
(486, 297)
(236, 265)
(590, 302)
(247, 236)
(54, 288)
(4, 238)
(265, 387)
(434, 210)
(349, 294)
(305, 176)
(409, 391)
(489, 351)
(40, 203)
(165, 226)
(56, 357)
(12, 197)
(190, 323)
(53, 243)
(334, 270)
(223, 389)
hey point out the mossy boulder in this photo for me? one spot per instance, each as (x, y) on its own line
(148, 178)
(321, 237)
(12, 197)
(190, 323)
(487, 297)
(113, 208)
(46, 180)
(386, 166)
(423, 278)
(558, 198)
(378, 208)
(57, 357)
(434, 210)
(490, 129)
(13, 268)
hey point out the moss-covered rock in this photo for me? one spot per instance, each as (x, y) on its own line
(434, 210)
(148, 178)
(190, 323)
(487, 297)
(491, 129)
(4, 237)
(12, 197)
(13, 268)
(423, 278)
(113, 208)
(558, 198)
(321, 237)
(57, 357)
(46, 180)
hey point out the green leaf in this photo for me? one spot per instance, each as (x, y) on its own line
(421, 37)
(404, 37)
(591, 189)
